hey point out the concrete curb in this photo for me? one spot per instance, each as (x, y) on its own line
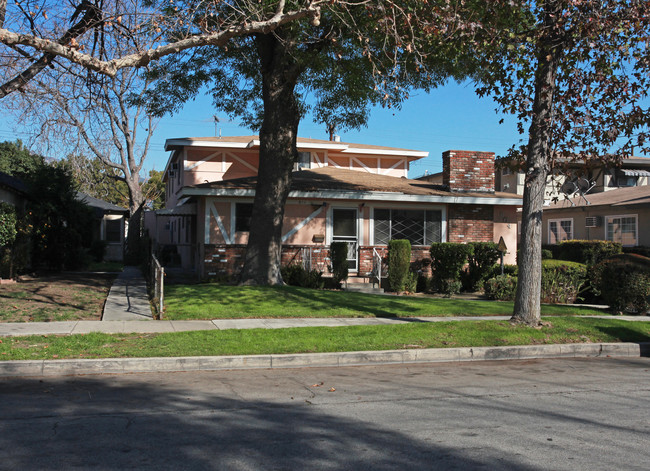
(304, 360)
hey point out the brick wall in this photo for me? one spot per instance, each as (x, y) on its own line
(228, 260)
(468, 170)
(470, 223)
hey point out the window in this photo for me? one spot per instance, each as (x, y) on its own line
(113, 230)
(417, 226)
(622, 229)
(559, 230)
(506, 171)
(304, 161)
(243, 213)
(626, 178)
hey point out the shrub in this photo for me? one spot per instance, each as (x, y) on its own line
(623, 281)
(590, 252)
(399, 262)
(7, 224)
(297, 275)
(547, 254)
(447, 260)
(98, 250)
(411, 282)
(501, 287)
(480, 262)
(639, 250)
(562, 281)
(339, 260)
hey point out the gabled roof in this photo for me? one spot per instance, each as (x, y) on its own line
(338, 183)
(13, 183)
(248, 142)
(636, 195)
(105, 206)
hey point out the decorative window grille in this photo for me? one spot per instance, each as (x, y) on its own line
(417, 226)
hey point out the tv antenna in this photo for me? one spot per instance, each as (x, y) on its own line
(580, 187)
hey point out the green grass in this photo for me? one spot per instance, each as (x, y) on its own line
(214, 301)
(323, 339)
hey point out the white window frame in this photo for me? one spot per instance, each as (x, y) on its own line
(621, 216)
(559, 223)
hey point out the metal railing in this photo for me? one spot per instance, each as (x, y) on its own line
(377, 262)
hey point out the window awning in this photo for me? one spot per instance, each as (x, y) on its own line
(184, 210)
(628, 172)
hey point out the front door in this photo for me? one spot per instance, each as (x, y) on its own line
(344, 229)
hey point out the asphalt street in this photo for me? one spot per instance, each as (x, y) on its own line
(572, 414)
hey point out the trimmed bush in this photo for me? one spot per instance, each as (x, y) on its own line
(447, 260)
(547, 254)
(296, 275)
(480, 262)
(562, 281)
(623, 282)
(590, 252)
(501, 287)
(339, 261)
(399, 262)
(639, 250)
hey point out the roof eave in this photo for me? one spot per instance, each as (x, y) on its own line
(362, 195)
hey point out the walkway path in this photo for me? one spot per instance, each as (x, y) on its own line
(127, 299)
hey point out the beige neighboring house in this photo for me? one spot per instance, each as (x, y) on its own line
(354, 193)
(634, 171)
(621, 215)
(111, 223)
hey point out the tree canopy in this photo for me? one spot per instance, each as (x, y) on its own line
(577, 74)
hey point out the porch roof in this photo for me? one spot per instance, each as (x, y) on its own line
(338, 183)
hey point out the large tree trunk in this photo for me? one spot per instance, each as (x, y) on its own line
(277, 155)
(529, 286)
(133, 253)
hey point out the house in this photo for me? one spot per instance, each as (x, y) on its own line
(110, 225)
(592, 177)
(13, 191)
(356, 193)
(621, 215)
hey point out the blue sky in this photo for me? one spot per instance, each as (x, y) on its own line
(450, 117)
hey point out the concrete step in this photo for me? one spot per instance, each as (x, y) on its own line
(370, 288)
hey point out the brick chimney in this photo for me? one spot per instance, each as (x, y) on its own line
(464, 170)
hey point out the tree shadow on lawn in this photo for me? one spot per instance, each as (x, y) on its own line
(289, 301)
(66, 291)
(625, 334)
(100, 422)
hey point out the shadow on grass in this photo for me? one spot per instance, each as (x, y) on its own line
(223, 301)
(625, 334)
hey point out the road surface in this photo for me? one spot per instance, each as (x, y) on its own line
(591, 414)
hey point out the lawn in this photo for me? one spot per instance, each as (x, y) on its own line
(215, 301)
(51, 298)
(324, 339)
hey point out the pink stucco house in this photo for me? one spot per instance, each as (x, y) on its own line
(360, 194)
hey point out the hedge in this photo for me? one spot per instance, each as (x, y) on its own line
(447, 260)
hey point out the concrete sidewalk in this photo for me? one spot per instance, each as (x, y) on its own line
(137, 326)
(127, 299)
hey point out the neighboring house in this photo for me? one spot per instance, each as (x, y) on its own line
(13, 191)
(359, 194)
(634, 171)
(622, 215)
(110, 225)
